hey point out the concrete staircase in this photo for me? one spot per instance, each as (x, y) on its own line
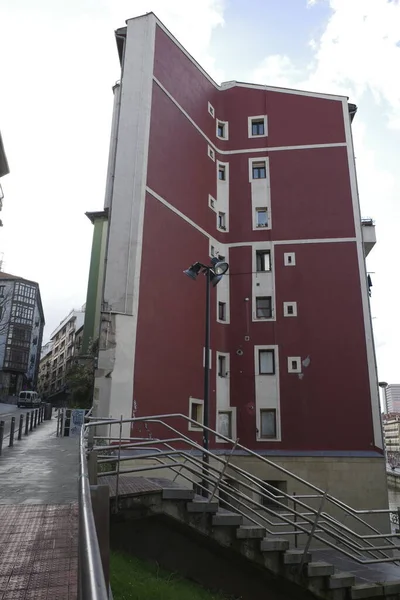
(319, 578)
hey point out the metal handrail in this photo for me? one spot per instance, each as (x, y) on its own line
(91, 582)
(327, 525)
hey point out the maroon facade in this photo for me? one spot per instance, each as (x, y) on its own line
(329, 408)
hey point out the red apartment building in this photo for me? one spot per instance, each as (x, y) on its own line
(266, 178)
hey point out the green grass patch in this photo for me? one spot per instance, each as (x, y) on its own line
(134, 579)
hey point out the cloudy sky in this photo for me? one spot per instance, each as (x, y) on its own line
(58, 62)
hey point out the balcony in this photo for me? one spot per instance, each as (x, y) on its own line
(368, 234)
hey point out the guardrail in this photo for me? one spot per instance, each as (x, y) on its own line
(32, 420)
(91, 582)
(304, 517)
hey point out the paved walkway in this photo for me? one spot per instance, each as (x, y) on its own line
(39, 517)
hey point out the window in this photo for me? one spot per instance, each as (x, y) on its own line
(268, 423)
(257, 127)
(211, 110)
(271, 489)
(2, 287)
(266, 362)
(294, 364)
(261, 217)
(221, 220)
(264, 307)
(259, 170)
(211, 153)
(221, 129)
(211, 202)
(221, 173)
(195, 413)
(222, 366)
(290, 309)
(224, 425)
(289, 259)
(222, 311)
(263, 260)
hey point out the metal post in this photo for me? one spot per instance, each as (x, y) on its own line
(31, 424)
(35, 421)
(223, 471)
(118, 463)
(38, 416)
(1, 435)
(398, 520)
(58, 423)
(295, 520)
(206, 407)
(12, 428)
(27, 423)
(311, 534)
(21, 424)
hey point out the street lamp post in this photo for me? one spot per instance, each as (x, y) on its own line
(213, 274)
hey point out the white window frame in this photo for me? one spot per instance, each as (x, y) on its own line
(211, 110)
(222, 359)
(257, 160)
(265, 437)
(290, 367)
(221, 227)
(211, 153)
(257, 210)
(225, 126)
(200, 402)
(211, 201)
(286, 259)
(225, 310)
(232, 410)
(226, 168)
(286, 306)
(250, 128)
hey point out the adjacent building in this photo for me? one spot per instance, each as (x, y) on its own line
(392, 398)
(21, 330)
(4, 170)
(391, 432)
(58, 355)
(264, 177)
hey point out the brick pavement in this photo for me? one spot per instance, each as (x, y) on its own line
(39, 517)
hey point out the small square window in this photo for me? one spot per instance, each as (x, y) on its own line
(261, 217)
(211, 110)
(196, 413)
(222, 130)
(259, 170)
(264, 307)
(222, 366)
(268, 423)
(266, 362)
(294, 364)
(289, 259)
(263, 260)
(221, 172)
(211, 153)
(290, 309)
(211, 202)
(222, 311)
(257, 127)
(224, 425)
(222, 220)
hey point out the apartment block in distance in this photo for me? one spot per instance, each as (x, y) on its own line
(21, 330)
(58, 355)
(264, 177)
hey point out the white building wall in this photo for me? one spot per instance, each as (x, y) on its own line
(267, 392)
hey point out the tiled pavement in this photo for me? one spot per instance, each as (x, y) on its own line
(39, 517)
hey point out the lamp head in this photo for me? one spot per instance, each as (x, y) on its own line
(193, 271)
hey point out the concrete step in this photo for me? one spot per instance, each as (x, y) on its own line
(340, 580)
(227, 519)
(295, 557)
(202, 506)
(366, 590)
(246, 532)
(177, 494)
(274, 545)
(320, 569)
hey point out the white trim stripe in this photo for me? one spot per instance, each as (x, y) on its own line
(243, 150)
(238, 244)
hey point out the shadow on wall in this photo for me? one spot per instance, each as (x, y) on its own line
(158, 539)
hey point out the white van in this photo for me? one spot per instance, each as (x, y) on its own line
(28, 398)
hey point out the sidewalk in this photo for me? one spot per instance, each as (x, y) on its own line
(39, 517)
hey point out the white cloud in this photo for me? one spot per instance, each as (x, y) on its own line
(276, 70)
